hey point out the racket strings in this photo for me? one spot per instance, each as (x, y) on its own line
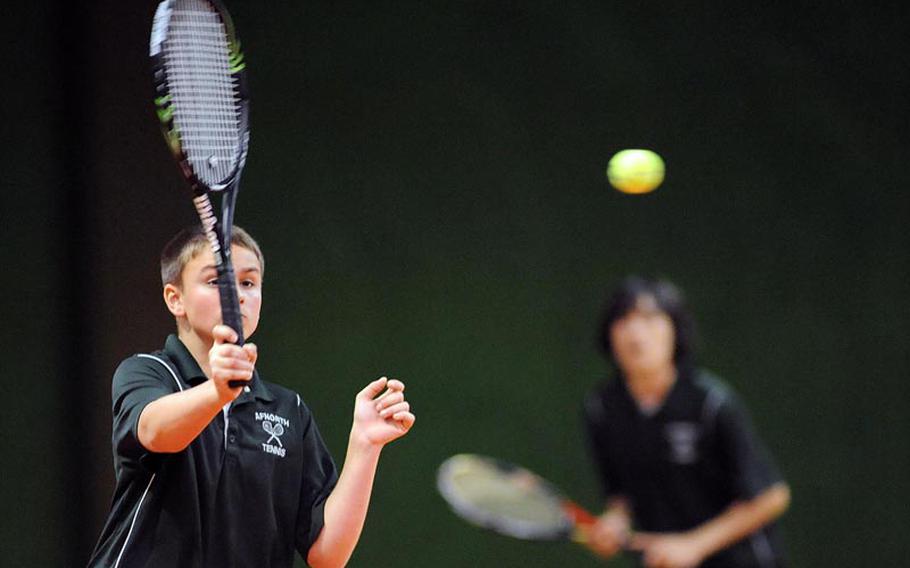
(205, 96)
(502, 495)
(513, 501)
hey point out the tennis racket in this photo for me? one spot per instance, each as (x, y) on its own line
(510, 500)
(202, 103)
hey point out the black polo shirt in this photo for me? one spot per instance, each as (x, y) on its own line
(685, 463)
(248, 491)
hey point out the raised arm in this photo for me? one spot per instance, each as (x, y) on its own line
(170, 423)
(378, 419)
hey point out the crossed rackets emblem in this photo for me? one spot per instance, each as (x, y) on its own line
(274, 431)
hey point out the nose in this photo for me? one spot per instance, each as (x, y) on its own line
(636, 326)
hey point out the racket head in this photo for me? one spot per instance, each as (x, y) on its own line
(505, 498)
(201, 94)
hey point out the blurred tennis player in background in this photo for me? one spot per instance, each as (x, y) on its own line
(687, 480)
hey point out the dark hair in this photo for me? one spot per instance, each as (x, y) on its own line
(189, 242)
(669, 300)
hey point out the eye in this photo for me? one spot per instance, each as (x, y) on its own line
(212, 282)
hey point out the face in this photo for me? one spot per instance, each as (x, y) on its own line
(644, 339)
(197, 300)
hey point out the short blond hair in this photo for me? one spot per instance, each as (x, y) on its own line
(189, 242)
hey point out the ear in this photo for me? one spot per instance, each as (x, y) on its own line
(173, 298)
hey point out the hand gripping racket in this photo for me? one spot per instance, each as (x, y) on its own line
(202, 103)
(509, 500)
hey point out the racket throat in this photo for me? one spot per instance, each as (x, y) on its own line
(209, 224)
(221, 250)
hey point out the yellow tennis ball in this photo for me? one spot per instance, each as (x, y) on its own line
(635, 171)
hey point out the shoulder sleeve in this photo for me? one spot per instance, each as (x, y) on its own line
(136, 383)
(597, 427)
(319, 478)
(748, 462)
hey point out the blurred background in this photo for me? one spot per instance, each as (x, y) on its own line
(427, 182)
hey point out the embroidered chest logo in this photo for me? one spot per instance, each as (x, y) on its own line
(682, 438)
(274, 427)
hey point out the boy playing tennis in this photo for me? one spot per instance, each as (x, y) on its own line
(210, 474)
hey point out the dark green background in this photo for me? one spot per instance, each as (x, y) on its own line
(427, 182)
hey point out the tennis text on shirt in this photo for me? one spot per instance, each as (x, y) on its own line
(273, 426)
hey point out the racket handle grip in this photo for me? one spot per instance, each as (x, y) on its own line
(230, 307)
(581, 519)
(230, 304)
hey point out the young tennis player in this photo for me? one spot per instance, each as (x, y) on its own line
(679, 459)
(210, 474)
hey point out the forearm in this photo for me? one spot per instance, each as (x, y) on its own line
(170, 423)
(346, 507)
(742, 519)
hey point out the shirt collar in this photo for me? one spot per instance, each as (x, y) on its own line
(190, 371)
(669, 400)
(187, 367)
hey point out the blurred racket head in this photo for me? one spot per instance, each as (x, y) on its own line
(508, 499)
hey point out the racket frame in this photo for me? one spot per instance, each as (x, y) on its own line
(573, 517)
(217, 231)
